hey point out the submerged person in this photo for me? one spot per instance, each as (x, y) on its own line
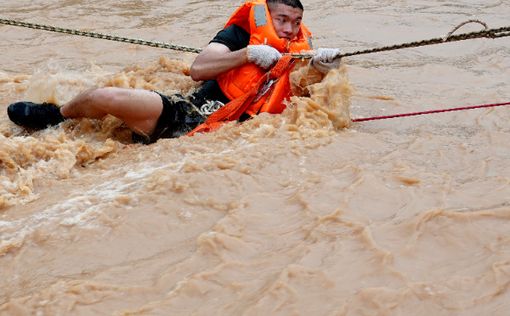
(233, 64)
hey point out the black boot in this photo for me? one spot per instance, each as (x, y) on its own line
(34, 115)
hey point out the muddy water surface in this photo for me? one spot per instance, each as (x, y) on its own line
(284, 215)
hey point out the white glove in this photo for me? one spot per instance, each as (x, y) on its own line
(325, 59)
(263, 56)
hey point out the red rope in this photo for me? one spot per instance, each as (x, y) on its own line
(364, 119)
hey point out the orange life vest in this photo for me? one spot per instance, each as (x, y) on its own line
(252, 89)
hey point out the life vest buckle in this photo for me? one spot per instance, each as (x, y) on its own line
(265, 89)
(210, 107)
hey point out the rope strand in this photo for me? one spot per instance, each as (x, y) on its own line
(485, 27)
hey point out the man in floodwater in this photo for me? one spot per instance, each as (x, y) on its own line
(252, 41)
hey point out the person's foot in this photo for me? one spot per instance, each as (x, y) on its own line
(34, 115)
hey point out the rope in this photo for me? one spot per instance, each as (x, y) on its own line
(375, 118)
(486, 33)
(101, 36)
(485, 27)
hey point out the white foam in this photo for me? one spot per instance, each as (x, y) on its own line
(80, 208)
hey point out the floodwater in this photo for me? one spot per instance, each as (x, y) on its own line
(293, 214)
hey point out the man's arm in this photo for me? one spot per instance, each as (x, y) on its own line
(215, 59)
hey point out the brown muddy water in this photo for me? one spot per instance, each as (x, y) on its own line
(284, 215)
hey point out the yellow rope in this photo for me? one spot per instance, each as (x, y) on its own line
(486, 33)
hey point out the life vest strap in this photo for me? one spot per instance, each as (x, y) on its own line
(235, 108)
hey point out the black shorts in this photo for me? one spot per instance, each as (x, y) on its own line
(179, 116)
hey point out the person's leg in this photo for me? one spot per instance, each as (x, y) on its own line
(138, 109)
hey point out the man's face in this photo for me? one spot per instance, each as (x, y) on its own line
(286, 20)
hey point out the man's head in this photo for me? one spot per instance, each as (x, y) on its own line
(286, 16)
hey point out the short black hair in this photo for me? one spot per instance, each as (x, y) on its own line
(290, 3)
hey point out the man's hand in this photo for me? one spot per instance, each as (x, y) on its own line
(263, 56)
(325, 59)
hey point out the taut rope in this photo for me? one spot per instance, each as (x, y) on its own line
(101, 36)
(385, 117)
(486, 33)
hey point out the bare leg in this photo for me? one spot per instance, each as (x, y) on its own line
(138, 109)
